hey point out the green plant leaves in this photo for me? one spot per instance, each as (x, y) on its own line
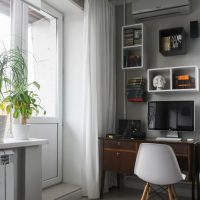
(16, 113)
(16, 95)
(8, 108)
(36, 85)
(2, 106)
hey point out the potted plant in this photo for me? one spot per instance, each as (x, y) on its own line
(17, 95)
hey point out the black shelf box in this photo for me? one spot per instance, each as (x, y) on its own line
(172, 41)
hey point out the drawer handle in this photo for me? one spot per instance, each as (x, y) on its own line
(118, 143)
(118, 153)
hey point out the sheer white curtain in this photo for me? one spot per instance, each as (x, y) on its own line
(99, 87)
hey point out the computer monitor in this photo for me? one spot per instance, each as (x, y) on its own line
(171, 115)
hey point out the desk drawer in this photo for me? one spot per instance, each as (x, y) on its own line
(180, 149)
(113, 144)
(119, 161)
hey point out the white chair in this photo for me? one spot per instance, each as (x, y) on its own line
(157, 164)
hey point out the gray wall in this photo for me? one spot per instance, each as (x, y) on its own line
(155, 60)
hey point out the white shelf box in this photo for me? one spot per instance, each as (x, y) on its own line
(152, 73)
(133, 46)
(178, 79)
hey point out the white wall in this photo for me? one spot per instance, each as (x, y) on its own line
(72, 132)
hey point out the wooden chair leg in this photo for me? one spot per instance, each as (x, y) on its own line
(148, 193)
(170, 195)
(174, 192)
(146, 188)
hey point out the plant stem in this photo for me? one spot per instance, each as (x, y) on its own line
(24, 120)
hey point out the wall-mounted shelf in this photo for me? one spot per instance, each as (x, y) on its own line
(172, 41)
(178, 79)
(133, 46)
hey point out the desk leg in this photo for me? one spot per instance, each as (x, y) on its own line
(193, 188)
(102, 183)
(197, 169)
(33, 173)
(197, 186)
(193, 171)
(118, 180)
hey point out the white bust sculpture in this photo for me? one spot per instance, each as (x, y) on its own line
(159, 82)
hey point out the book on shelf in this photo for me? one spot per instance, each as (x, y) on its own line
(136, 91)
(183, 77)
(132, 37)
(134, 60)
(183, 82)
(136, 99)
(131, 59)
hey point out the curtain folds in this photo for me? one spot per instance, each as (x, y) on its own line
(99, 99)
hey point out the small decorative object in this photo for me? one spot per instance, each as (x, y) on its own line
(176, 41)
(3, 119)
(159, 82)
(166, 44)
(16, 95)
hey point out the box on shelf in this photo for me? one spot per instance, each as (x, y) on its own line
(172, 41)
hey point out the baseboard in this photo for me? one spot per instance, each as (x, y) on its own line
(183, 189)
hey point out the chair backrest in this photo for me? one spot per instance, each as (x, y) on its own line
(157, 164)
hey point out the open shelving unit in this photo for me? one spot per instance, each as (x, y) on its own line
(133, 46)
(178, 79)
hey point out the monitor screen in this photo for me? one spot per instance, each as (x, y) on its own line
(171, 115)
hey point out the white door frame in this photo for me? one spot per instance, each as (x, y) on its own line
(18, 30)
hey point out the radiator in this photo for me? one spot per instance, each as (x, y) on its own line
(7, 175)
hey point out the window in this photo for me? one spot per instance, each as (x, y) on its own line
(5, 22)
(5, 38)
(42, 59)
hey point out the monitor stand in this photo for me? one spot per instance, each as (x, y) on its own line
(172, 134)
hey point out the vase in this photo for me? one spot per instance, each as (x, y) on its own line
(21, 132)
(3, 119)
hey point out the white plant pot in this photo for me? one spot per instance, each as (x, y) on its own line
(3, 119)
(21, 132)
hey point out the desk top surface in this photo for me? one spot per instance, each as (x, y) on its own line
(195, 141)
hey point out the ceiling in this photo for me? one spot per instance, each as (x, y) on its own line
(65, 5)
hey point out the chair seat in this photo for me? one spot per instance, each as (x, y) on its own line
(157, 164)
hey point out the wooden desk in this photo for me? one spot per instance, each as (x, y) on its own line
(119, 155)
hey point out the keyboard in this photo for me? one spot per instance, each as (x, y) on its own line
(168, 139)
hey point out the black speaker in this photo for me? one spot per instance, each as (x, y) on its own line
(125, 126)
(194, 29)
